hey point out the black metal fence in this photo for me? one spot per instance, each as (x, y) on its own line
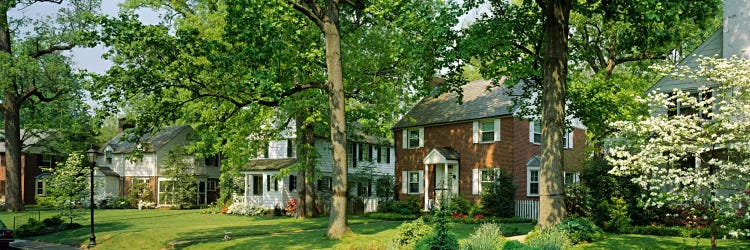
(23, 219)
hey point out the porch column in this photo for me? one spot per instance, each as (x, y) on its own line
(426, 188)
(247, 191)
(445, 181)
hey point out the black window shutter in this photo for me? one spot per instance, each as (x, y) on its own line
(387, 155)
(289, 148)
(380, 152)
(354, 155)
(369, 147)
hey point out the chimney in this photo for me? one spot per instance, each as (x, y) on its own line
(735, 29)
(123, 124)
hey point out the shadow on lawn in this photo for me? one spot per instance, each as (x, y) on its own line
(630, 241)
(81, 235)
(307, 234)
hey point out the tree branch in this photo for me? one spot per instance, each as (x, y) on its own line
(309, 9)
(638, 58)
(51, 49)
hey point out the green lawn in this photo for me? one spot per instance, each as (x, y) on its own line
(155, 229)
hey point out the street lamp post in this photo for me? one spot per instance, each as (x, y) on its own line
(91, 153)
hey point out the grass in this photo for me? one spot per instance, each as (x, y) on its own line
(634, 241)
(156, 229)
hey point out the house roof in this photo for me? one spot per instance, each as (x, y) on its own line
(108, 171)
(33, 142)
(713, 46)
(535, 161)
(441, 155)
(152, 141)
(269, 164)
(478, 103)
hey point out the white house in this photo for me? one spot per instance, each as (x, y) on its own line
(117, 171)
(264, 186)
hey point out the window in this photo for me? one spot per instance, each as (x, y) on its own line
(292, 183)
(212, 161)
(568, 140)
(486, 179)
(325, 184)
(264, 150)
(257, 185)
(165, 192)
(364, 189)
(682, 109)
(108, 156)
(532, 183)
(268, 182)
(414, 182)
(572, 177)
(46, 161)
(40, 187)
(535, 132)
(351, 155)
(486, 131)
(365, 152)
(290, 148)
(413, 138)
(211, 185)
(384, 155)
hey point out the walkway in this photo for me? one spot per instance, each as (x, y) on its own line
(28, 244)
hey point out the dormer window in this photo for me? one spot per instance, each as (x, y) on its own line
(108, 156)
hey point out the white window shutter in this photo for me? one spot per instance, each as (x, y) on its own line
(404, 182)
(475, 134)
(497, 129)
(475, 181)
(531, 131)
(405, 138)
(570, 140)
(421, 181)
(421, 137)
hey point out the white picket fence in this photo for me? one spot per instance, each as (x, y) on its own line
(528, 209)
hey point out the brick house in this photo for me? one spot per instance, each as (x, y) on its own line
(37, 161)
(444, 149)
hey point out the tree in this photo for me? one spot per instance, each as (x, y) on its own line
(182, 186)
(697, 159)
(513, 43)
(239, 56)
(35, 71)
(68, 185)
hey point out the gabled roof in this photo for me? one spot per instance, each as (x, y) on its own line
(535, 161)
(441, 155)
(478, 103)
(268, 164)
(34, 141)
(108, 171)
(151, 142)
(713, 46)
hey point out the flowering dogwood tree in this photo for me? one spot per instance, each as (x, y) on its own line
(692, 152)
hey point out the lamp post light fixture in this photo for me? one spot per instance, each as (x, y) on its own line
(91, 153)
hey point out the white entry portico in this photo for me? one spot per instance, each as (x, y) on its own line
(446, 176)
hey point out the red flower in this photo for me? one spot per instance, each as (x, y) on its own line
(478, 216)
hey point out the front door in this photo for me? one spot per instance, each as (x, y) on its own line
(446, 181)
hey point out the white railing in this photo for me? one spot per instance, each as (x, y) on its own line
(528, 209)
(371, 205)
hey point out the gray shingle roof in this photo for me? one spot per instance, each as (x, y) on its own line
(448, 153)
(477, 103)
(535, 161)
(151, 142)
(269, 164)
(710, 47)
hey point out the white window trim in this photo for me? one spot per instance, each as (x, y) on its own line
(208, 185)
(481, 174)
(567, 137)
(405, 138)
(477, 132)
(528, 181)
(43, 181)
(576, 177)
(405, 181)
(532, 132)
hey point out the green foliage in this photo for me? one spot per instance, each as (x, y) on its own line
(182, 187)
(486, 237)
(459, 205)
(615, 214)
(548, 238)
(441, 237)
(581, 230)
(391, 216)
(139, 191)
(478, 219)
(409, 233)
(385, 187)
(47, 226)
(248, 210)
(67, 186)
(498, 197)
(411, 205)
(578, 200)
(673, 231)
(516, 245)
(113, 202)
(603, 186)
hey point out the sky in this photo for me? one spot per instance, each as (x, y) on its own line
(84, 58)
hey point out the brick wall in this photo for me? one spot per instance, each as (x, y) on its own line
(510, 153)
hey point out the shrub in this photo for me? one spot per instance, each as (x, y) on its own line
(578, 200)
(410, 233)
(411, 205)
(291, 207)
(548, 238)
(47, 226)
(486, 236)
(440, 238)
(617, 215)
(581, 230)
(212, 208)
(459, 205)
(477, 209)
(516, 245)
(242, 209)
(53, 221)
(497, 198)
(391, 216)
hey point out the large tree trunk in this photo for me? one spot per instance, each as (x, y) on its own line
(10, 110)
(301, 204)
(551, 186)
(337, 223)
(307, 143)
